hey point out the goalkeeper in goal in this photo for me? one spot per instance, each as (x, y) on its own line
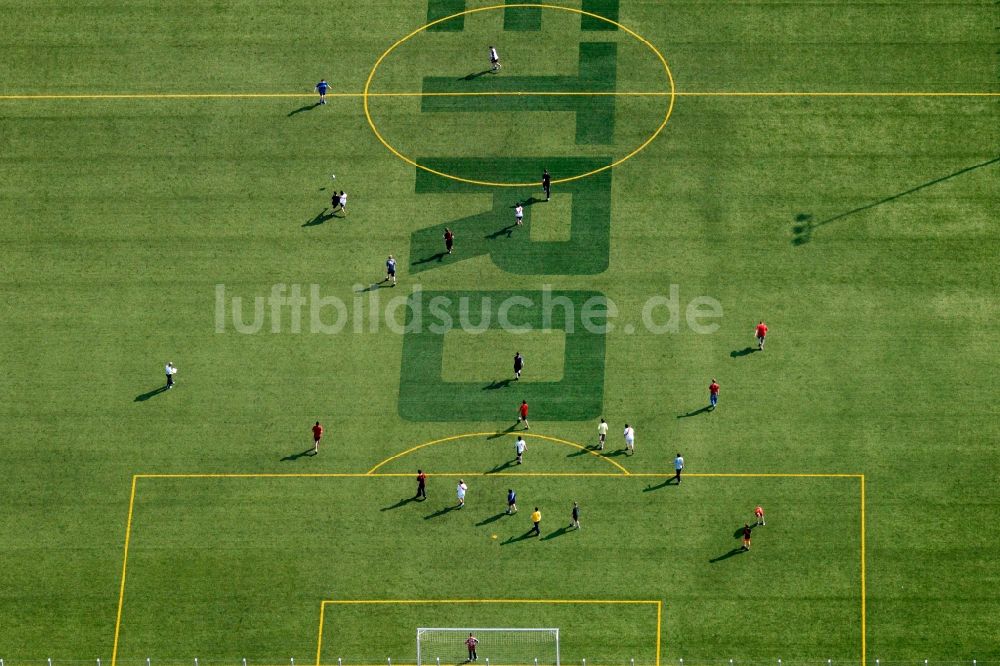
(471, 642)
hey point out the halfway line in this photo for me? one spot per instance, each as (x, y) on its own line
(623, 93)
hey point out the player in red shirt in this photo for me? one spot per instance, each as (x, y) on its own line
(713, 394)
(471, 642)
(522, 414)
(747, 530)
(761, 334)
(449, 239)
(421, 485)
(759, 514)
(317, 435)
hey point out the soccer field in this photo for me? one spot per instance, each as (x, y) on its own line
(829, 168)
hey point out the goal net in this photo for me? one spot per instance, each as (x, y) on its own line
(496, 645)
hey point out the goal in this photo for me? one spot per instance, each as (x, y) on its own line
(499, 646)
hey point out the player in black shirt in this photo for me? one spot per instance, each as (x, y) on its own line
(518, 365)
(547, 184)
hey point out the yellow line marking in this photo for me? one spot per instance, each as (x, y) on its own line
(121, 588)
(358, 475)
(370, 474)
(361, 602)
(864, 593)
(462, 475)
(554, 93)
(319, 643)
(659, 623)
(777, 475)
(486, 434)
(255, 475)
(490, 601)
(412, 162)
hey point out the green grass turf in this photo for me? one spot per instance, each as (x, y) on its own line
(118, 218)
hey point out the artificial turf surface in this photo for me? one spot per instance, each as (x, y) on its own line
(862, 229)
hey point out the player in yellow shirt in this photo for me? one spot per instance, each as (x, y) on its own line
(536, 518)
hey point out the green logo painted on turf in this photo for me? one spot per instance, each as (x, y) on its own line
(493, 232)
(595, 115)
(432, 315)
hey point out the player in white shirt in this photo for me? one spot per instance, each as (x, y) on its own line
(602, 434)
(494, 59)
(460, 492)
(519, 214)
(171, 370)
(520, 446)
(629, 439)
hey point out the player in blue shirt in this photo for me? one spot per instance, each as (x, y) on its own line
(390, 270)
(511, 501)
(321, 88)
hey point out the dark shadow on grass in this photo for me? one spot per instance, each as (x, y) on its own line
(402, 502)
(301, 109)
(296, 456)
(501, 433)
(558, 533)
(746, 351)
(441, 512)
(726, 556)
(502, 466)
(491, 519)
(507, 231)
(616, 453)
(143, 397)
(426, 260)
(703, 410)
(319, 219)
(584, 451)
(805, 224)
(475, 75)
(499, 384)
(527, 535)
(372, 287)
(664, 484)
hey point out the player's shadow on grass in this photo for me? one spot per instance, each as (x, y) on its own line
(296, 456)
(530, 201)
(502, 466)
(746, 351)
(666, 482)
(584, 451)
(307, 107)
(475, 75)
(558, 533)
(725, 556)
(434, 257)
(507, 231)
(703, 410)
(322, 217)
(441, 512)
(143, 397)
(372, 287)
(499, 384)
(491, 519)
(400, 503)
(514, 539)
(805, 224)
(501, 433)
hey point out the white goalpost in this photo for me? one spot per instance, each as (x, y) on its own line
(499, 646)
